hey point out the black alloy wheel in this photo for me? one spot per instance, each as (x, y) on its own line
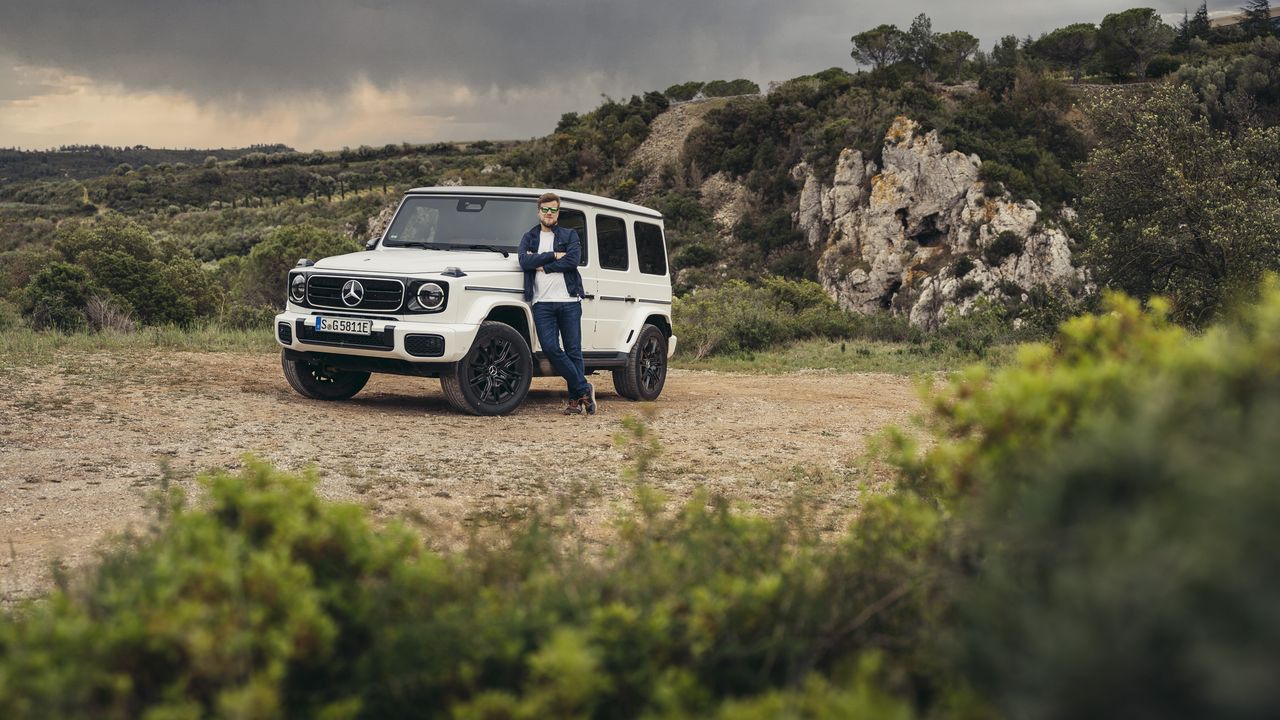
(494, 376)
(646, 370)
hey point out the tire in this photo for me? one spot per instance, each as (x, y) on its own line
(320, 383)
(494, 376)
(646, 370)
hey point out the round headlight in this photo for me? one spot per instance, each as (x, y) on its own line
(431, 296)
(298, 287)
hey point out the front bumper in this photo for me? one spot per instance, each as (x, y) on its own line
(407, 340)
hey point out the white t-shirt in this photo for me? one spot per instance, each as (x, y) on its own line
(549, 286)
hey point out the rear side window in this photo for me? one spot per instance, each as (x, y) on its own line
(649, 249)
(611, 237)
(576, 220)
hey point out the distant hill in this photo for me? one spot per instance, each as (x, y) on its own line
(81, 162)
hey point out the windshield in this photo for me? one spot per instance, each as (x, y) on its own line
(460, 222)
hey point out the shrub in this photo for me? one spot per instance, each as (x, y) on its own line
(1047, 308)
(111, 234)
(981, 326)
(727, 88)
(238, 316)
(1006, 243)
(10, 316)
(262, 275)
(684, 91)
(103, 314)
(1115, 495)
(141, 287)
(1162, 65)
(967, 289)
(56, 297)
(962, 266)
(694, 255)
(737, 317)
(728, 319)
(17, 267)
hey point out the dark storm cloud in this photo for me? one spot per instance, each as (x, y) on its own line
(249, 51)
(522, 61)
(238, 49)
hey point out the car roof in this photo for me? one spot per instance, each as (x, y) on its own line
(571, 196)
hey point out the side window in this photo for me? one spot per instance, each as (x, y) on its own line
(576, 220)
(649, 250)
(611, 237)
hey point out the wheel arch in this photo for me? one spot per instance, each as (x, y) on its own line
(662, 322)
(517, 317)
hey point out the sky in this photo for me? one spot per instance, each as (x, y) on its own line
(324, 74)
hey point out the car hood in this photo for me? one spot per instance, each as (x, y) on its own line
(414, 261)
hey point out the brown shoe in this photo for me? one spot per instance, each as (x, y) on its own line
(573, 408)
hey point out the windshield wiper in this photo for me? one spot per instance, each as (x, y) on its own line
(423, 245)
(491, 248)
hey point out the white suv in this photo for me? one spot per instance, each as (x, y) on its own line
(440, 294)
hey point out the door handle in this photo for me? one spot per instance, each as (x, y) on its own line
(589, 296)
(629, 299)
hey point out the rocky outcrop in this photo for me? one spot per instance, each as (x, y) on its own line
(665, 142)
(923, 235)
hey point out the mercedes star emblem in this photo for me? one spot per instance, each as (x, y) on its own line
(352, 293)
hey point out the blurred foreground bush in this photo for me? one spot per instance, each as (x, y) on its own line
(1114, 499)
(267, 602)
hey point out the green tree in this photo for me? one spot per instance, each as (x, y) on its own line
(1068, 47)
(142, 286)
(952, 50)
(1242, 91)
(262, 276)
(998, 71)
(878, 47)
(56, 297)
(1175, 208)
(1257, 19)
(919, 44)
(1194, 27)
(683, 91)
(112, 233)
(1128, 40)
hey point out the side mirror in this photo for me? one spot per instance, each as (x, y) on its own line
(304, 263)
(371, 243)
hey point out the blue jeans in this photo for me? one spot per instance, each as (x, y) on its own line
(555, 321)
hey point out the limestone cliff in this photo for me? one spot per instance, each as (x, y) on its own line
(892, 238)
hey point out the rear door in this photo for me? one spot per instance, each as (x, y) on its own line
(577, 220)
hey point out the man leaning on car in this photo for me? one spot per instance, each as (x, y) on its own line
(549, 256)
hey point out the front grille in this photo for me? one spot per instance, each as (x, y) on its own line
(383, 340)
(424, 345)
(285, 333)
(374, 293)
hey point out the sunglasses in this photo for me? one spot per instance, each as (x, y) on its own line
(549, 210)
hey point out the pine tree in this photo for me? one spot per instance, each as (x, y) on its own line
(1199, 27)
(1257, 19)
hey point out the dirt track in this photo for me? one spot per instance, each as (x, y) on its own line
(82, 442)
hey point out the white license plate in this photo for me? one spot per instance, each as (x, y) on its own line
(344, 325)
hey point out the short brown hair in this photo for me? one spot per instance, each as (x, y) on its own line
(548, 197)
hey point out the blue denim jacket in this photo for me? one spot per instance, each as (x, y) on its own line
(567, 242)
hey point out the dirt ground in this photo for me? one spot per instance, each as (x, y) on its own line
(83, 440)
